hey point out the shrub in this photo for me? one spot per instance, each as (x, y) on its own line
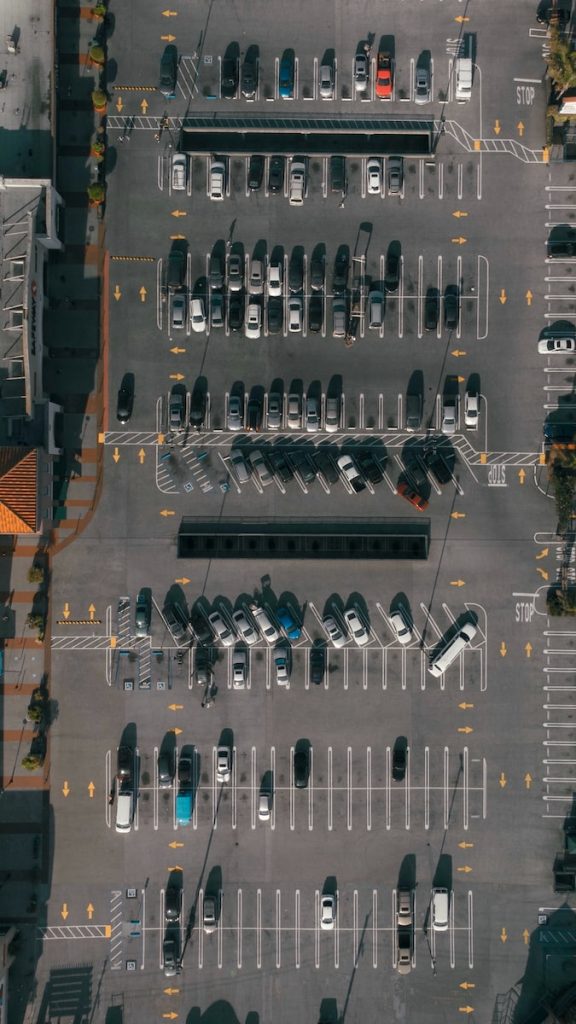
(97, 55)
(99, 11)
(96, 193)
(31, 762)
(99, 99)
(35, 574)
(34, 621)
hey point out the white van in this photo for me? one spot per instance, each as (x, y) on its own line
(440, 908)
(124, 810)
(463, 72)
(297, 182)
(450, 652)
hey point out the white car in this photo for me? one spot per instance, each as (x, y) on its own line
(264, 806)
(374, 176)
(401, 625)
(326, 82)
(239, 668)
(274, 410)
(546, 345)
(179, 167)
(223, 764)
(282, 664)
(265, 625)
(256, 278)
(295, 311)
(198, 315)
(471, 409)
(297, 188)
(253, 323)
(347, 467)
(293, 415)
(256, 460)
(449, 414)
(245, 628)
(328, 911)
(222, 631)
(275, 279)
(360, 634)
(335, 635)
(217, 179)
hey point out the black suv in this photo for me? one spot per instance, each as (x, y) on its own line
(296, 271)
(435, 460)
(236, 311)
(279, 465)
(276, 173)
(255, 172)
(341, 269)
(317, 663)
(249, 77)
(337, 173)
(229, 78)
(315, 313)
(368, 465)
(392, 272)
(431, 309)
(254, 414)
(301, 768)
(201, 627)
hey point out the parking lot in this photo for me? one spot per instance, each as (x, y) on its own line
(304, 339)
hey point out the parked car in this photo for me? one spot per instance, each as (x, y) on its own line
(392, 270)
(239, 465)
(275, 275)
(265, 624)
(172, 903)
(315, 313)
(301, 768)
(407, 491)
(229, 78)
(176, 409)
(239, 668)
(450, 405)
(368, 465)
(235, 272)
(327, 911)
(198, 316)
(168, 72)
(350, 473)
(341, 270)
(125, 400)
(332, 414)
(165, 770)
(399, 756)
(223, 763)
(547, 345)
(275, 409)
(288, 623)
(301, 464)
(312, 415)
(249, 74)
(294, 411)
(422, 87)
(375, 309)
(295, 313)
(209, 913)
(179, 172)
(317, 272)
(216, 271)
(125, 762)
(413, 410)
(361, 72)
(317, 663)
(143, 612)
(282, 664)
(254, 413)
(235, 418)
(336, 635)
(253, 326)
(395, 175)
(374, 176)
(245, 627)
(177, 621)
(276, 173)
(324, 462)
(358, 631)
(296, 271)
(217, 179)
(326, 82)
(471, 409)
(401, 625)
(256, 278)
(275, 316)
(286, 75)
(201, 627)
(216, 309)
(338, 173)
(259, 466)
(279, 465)
(264, 806)
(297, 190)
(236, 311)
(222, 630)
(431, 309)
(451, 308)
(170, 956)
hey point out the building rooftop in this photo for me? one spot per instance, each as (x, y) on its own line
(25, 99)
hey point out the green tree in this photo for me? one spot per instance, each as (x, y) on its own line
(561, 61)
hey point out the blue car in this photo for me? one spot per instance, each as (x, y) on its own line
(286, 75)
(291, 628)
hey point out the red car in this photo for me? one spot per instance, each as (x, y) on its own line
(384, 78)
(412, 496)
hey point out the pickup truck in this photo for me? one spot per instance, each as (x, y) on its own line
(384, 76)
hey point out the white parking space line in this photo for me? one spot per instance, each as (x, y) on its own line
(297, 928)
(441, 180)
(421, 179)
(349, 788)
(316, 928)
(346, 653)
(195, 784)
(355, 927)
(273, 776)
(234, 788)
(155, 789)
(108, 771)
(200, 933)
(159, 294)
(278, 928)
(470, 930)
(337, 933)
(239, 930)
(401, 299)
(311, 792)
(441, 297)
(329, 793)
(452, 936)
(259, 928)
(136, 801)
(253, 788)
(407, 791)
(220, 928)
(368, 789)
(387, 785)
(291, 789)
(459, 186)
(465, 790)
(420, 294)
(446, 787)
(214, 791)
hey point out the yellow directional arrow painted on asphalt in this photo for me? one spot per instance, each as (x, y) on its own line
(119, 105)
(116, 456)
(465, 846)
(176, 376)
(113, 641)
(117, 293)
(177, 351)
(66, 612)
(64, 912)
(529, 296)
(142, 293)
(459, 240)
(457, 583)
(465, 706)
(527, 780)
(466, 1009)
(170, 1016)
(520, 127)
(459, 213)
(90, 911)
(522, 475)
(466, 729)
(170, 14)
(141, 456)
(167, 39)
(174, 845)
(175, 707)
(503, 649)
(543, 553)
(497, 127)
(467, 984)
(160, 439)
(91, 788)
(461, 18)
(457, 515)
(458, 353)
(502, 781)
(503, 297)
(179, 213)
(525, 936)
(66, 788)
(542, 572)
(171, 991)
(503, 935)
(144, 106)
(91, 611)
(528, 649)
(466, 869)
(177, 238)
(167, 512)
(183, 580)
